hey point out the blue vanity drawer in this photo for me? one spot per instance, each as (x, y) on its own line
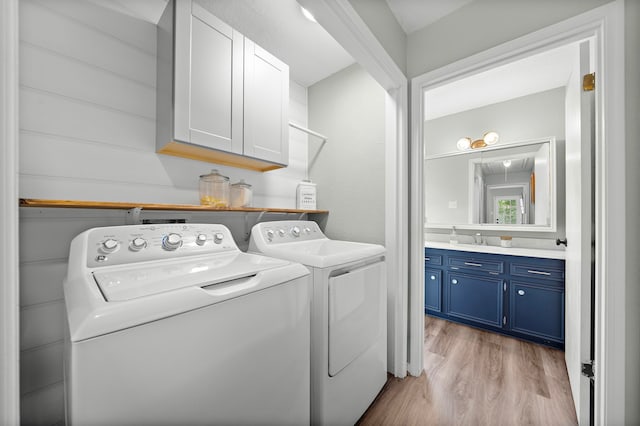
(476, 264)
(540, 272)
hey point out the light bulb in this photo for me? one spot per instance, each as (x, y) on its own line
(463, 144)
(490, 138)
(506, 163)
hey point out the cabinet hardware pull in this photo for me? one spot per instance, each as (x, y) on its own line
(472, 264)
(427, 258)
(454, 281)
(539, 272)
(521, 292)
(433, 277)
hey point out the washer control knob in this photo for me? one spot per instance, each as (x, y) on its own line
(307, 230)
(270, 234)
(295, 231)
(171, 242)
(281, 232)
(138, 244)
(218, 237)
(201, 239)
(110, 245)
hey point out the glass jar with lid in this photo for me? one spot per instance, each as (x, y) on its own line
(241, 194)
(214, 190)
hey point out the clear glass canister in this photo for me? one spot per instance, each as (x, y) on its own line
(214, 190)
(241, 194)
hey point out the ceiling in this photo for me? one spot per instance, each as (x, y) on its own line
(312, 54)
(413, 15)
(533, 74)
(277, 26)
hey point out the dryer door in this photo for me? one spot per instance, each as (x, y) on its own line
(357, 301)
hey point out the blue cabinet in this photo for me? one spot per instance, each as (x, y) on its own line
(537, 310)
(474, 298)
(513, 295)
(433, 289)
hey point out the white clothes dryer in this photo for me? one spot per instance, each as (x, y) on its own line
(173, 324)
(348, 315)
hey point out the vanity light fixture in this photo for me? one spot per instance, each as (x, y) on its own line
(488, 139)
(308, 15)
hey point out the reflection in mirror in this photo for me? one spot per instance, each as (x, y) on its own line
(511, 185)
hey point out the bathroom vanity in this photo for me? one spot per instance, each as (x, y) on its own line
(517, 292)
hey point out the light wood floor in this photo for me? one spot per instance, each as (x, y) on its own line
(473, 377)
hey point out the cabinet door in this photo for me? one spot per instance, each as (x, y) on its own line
(433, 289)
(537, 310)
(266, 105)
(475, 298)
(208, 86)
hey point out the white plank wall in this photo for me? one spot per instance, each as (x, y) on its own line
(87, 131)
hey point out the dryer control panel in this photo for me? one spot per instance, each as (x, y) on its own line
(117, 245)
(286, 231)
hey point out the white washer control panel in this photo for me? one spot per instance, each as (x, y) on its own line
(117, 245)
(287, 231)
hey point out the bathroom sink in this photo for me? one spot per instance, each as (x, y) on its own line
(550, 253)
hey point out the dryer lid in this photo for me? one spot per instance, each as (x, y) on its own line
(126, 283)
(323, 253)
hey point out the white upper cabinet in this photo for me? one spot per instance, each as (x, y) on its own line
(266, 102)
(221, 98)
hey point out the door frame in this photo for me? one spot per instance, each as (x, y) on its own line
(9, 266)
(605, 25)
(346, 26)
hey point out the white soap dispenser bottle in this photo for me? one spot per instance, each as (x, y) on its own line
(453, 237)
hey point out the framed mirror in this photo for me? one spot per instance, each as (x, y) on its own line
(508, 187)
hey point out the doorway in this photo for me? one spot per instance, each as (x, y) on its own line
(609, 309)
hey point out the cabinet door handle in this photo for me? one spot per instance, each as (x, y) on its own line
(521, 292)
(472, 264)
(454, 281)
(539, 272)
(433, 277)
(427, 258)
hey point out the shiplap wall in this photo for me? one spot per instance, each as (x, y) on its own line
(87, 131)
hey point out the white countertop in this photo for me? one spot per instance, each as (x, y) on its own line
(509, 251)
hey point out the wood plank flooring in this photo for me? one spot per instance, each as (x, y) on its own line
(474, 377)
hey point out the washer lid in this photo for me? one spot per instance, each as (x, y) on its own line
(323, 253)
(133, 282)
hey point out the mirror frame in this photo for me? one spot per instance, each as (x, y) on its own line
(552, 227)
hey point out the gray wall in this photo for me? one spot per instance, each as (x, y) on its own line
(384, 26)
(483, 24)
(512, 120)
(632, 71)
(524, 118)
(87, 114)
(349, 108)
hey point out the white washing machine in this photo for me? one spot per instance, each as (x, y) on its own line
(173, 324)
(348, 315)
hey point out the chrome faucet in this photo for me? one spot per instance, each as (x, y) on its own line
(478, 238)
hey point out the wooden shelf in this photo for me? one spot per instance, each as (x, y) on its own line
(81, 204)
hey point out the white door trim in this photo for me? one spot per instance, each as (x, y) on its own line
(345, 25)
(606, 25)
(9, 291)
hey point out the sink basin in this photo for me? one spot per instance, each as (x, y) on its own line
(511, 251)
